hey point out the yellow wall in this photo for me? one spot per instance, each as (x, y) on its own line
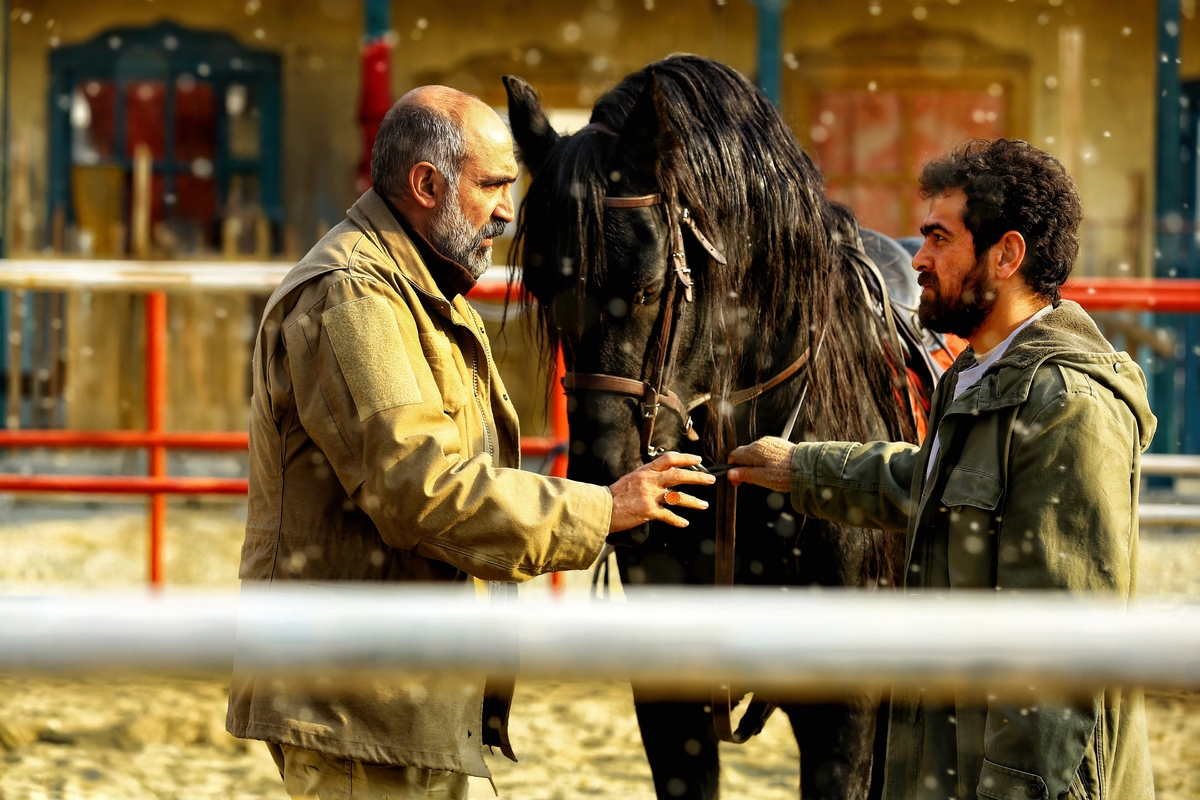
(574, 50)
(1115, 150)
(581, 48)
(319, 40)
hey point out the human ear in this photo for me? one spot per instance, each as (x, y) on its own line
(425, 184)
(1010, 251)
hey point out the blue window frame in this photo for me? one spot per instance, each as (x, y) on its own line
(210, 105)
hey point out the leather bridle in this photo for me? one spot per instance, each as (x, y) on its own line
(655, 392)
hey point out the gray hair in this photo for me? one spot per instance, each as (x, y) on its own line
(411, 134)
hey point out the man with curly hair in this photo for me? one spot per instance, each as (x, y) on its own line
(1028, 479)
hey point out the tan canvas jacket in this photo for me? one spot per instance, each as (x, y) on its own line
(383, 447)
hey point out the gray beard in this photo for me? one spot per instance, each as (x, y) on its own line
(451, 234)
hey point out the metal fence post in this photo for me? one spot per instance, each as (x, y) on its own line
(1170, 241)
(156, 402)
(770, 49)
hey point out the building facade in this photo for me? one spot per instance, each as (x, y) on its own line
(247, 114)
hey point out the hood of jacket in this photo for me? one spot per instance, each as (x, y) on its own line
(1066, 336)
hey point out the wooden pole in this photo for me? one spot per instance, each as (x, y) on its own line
(143, 168)
(13, 337)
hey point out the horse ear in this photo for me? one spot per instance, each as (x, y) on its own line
(530, 125)
(648, 137)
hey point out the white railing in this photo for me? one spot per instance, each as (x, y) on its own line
(680, 639)
(1179, 466)
(66, 274)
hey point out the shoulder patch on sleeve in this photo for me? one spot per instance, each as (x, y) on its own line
(371, 353)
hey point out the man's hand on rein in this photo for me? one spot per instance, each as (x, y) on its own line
(768, 462)
(646, 493)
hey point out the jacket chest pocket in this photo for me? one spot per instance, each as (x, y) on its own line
(447, 371)
(971, 499)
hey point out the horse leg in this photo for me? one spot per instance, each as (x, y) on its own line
(681, 746)
(881, 738)
(837, 747)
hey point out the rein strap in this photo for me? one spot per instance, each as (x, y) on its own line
(745, 395)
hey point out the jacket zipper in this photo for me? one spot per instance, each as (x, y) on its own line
(487, 434)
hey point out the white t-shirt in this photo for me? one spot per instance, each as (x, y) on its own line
(970, 376)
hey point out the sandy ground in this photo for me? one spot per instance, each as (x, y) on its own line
(139, 736)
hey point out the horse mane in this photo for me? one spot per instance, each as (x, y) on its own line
(759, 196)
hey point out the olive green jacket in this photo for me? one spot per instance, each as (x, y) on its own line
(1035, 487)
(383, 447)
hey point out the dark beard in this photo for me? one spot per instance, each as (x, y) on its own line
(962, 315)
(451, 235)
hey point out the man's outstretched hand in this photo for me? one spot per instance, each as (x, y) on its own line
(641, 496)
(768, 463)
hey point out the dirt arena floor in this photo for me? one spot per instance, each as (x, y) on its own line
(145, 736)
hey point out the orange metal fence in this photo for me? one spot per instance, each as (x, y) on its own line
(157, 484)
(1097, 294)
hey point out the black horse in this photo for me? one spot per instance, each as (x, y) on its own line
(706, 140)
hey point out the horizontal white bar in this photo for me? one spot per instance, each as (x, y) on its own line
(1167, 515)
(140, 276)
(788, 640)
(259, 277)
(1181, 466)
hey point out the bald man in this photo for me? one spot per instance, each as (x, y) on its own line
(383, 447)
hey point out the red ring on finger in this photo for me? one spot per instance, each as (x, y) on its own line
(672, 498)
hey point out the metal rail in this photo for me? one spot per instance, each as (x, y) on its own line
(70, 275)
(1096, 294)
(176, 277)
(153, 485)
(680, 639)
(1181, 516)
(1171, 295)
(198, 440)
(1179, 466)
(156, 278)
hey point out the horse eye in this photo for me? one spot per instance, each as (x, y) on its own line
(644, 296)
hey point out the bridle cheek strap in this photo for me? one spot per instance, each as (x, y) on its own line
(708, 246)
(656, 393)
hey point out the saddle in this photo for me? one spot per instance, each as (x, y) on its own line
(894, 259)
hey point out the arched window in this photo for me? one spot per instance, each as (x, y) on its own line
(208, 110)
